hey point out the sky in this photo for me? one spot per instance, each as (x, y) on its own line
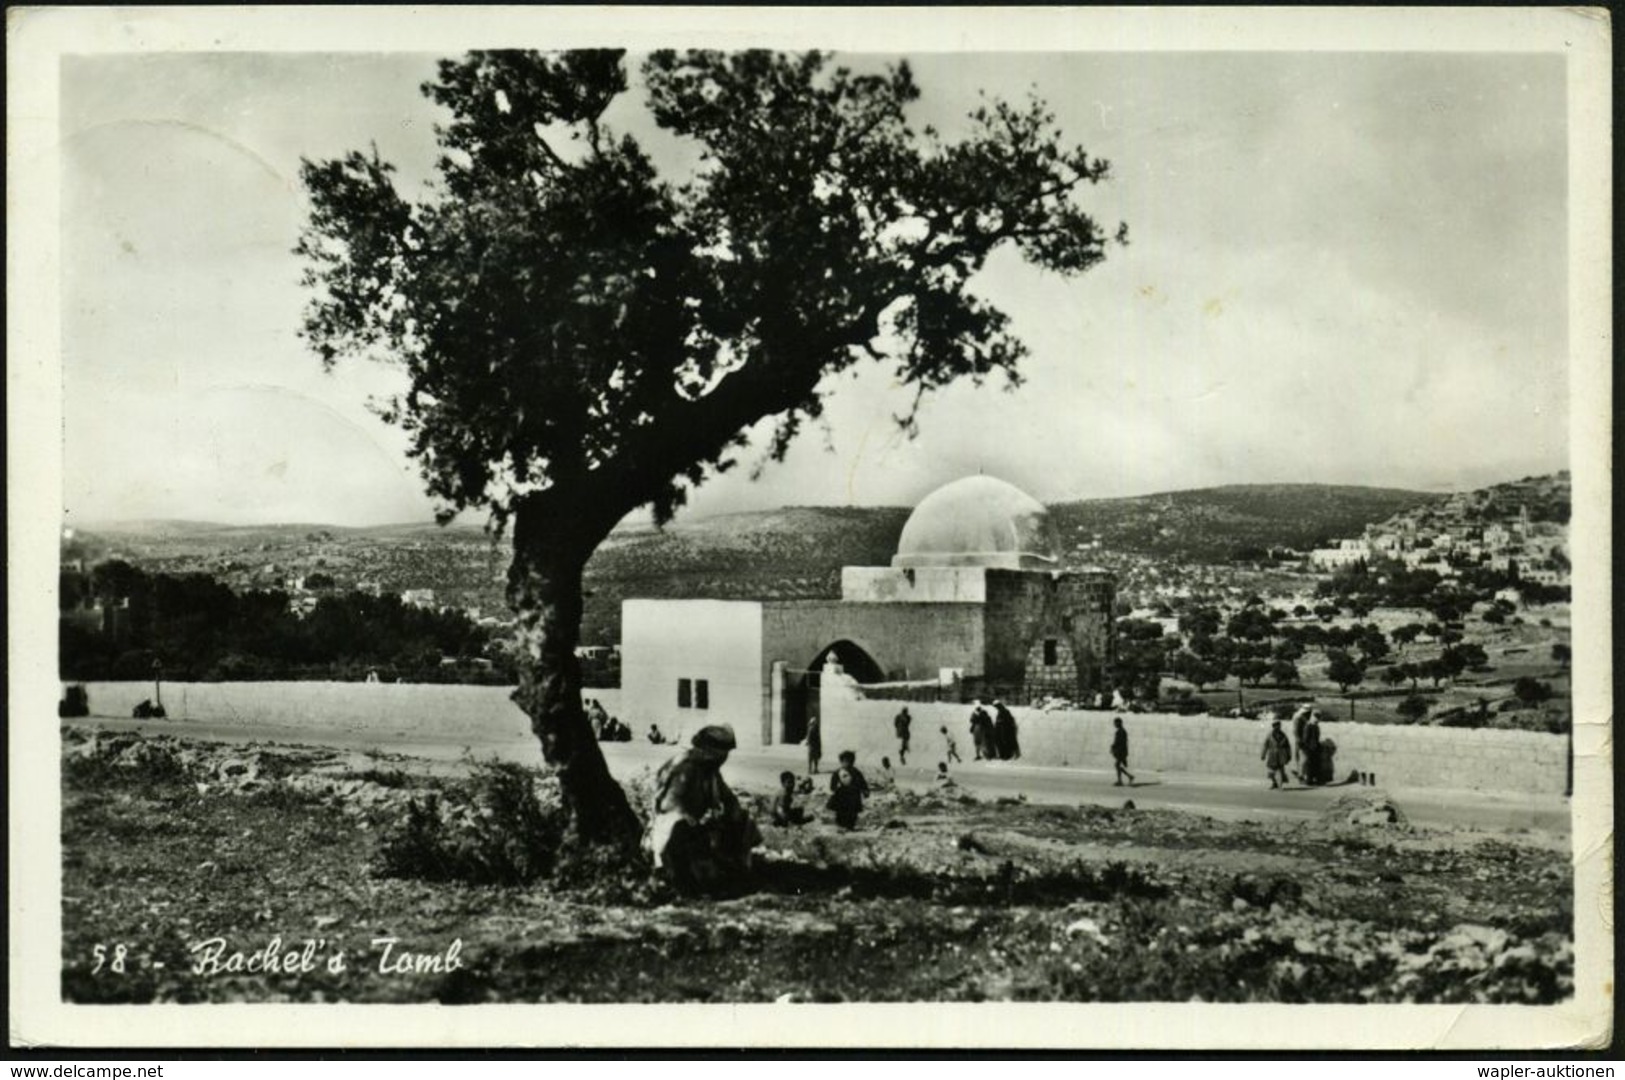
(1343, 268)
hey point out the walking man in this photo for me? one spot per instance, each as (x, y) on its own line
(1120, 751)
(981, 732)
(901, 724)
(1277, 752)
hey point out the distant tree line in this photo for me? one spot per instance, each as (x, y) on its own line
(119, 622)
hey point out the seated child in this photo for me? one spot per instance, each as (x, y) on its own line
(785, 810)
(848, 788)
(943, 779)
(887, 778)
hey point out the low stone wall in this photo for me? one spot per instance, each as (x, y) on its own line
(1400, 756)
(404, 708)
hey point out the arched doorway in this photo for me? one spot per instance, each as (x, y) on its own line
(801, 686)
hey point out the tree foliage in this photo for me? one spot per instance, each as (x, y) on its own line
(1343, 669)
(586, 329)
(199, 629)
(1531, 691)
(564, 312)
(1413, 707)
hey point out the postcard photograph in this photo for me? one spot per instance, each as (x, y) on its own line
(1007, 515)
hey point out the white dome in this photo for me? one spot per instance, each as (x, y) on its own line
(977, 521)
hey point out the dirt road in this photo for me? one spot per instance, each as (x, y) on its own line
(758, 768)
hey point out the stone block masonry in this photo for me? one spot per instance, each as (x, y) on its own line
(1450, 759)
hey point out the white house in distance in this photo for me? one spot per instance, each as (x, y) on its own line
(974, 597)
(1346, 553)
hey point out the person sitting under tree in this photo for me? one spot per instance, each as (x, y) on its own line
(700, 836)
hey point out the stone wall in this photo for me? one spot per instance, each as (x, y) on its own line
(402, 709)
(907, 640)
(922, 584)
(1400, 756)
(1025, 608)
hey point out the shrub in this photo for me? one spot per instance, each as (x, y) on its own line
(1413, 708)
(1464, 718)
(1531, 691)
(493, 829)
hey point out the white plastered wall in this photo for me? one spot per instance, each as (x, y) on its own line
(720, 641)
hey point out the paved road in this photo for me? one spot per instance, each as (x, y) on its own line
(758, 769)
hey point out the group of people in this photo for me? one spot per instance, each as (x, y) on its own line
(995, 737)
(1313, 753)
(605, 727)
(702, 838)
(903, 724)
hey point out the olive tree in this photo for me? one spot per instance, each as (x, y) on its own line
(584, 334)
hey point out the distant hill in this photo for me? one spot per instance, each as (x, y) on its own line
(1537, 498)
(790, 553)
(794, 553)
(1215, 524)
(798, 552)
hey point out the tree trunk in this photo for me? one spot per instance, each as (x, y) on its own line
(544, 590)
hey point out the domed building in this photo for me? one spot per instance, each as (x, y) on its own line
(975, 602)
(978, 521)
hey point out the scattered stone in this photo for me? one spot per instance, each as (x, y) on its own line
(1089, 928)
(1369, 808)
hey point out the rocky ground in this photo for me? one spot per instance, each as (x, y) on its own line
(195, 871)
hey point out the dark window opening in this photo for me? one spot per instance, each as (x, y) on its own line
(685, 693)
(702, 693)
(1050, 645)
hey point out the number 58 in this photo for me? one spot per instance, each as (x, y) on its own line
(120, 951)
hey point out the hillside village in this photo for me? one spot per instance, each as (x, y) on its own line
(1519, 528)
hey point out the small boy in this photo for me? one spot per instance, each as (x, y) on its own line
(943, 779)
(953, 747)
(785, 810)
(847, 789)
(888, 777)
